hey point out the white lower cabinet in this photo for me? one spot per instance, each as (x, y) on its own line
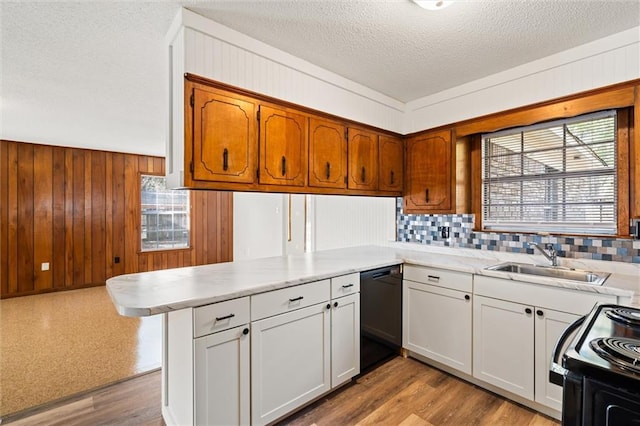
(205, 366)
(436, 309)
(221, 394)
(515, 329)
(345, 339)
(290, 361)
(503, 342)
(438, 324)
(549, 325)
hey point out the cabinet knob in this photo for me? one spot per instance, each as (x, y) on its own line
(245, 331)
(539, 313)
(467, 297)
(528, 311)
(328, 305)
(335, 304)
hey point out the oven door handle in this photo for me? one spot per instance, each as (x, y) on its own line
(556, 371)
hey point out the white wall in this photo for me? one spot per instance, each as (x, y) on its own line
(343, 221)
(601, 63)
(258, 225)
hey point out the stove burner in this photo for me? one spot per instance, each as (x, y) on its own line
(625, 315)
(624, 353)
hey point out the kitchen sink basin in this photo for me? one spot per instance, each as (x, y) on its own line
(588, 277)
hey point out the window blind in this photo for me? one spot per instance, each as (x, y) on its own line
(555, 177)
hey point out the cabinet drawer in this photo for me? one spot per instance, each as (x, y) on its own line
(454, 280)
(344, 285)
(220, 316)
(289, 299)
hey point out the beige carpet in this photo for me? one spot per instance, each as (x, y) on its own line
(60, 344)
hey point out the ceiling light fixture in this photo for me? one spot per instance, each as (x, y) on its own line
(432, 4)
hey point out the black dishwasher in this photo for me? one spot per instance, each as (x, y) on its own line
(380, 315)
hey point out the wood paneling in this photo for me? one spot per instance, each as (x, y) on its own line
(79, 209)
(634, 155)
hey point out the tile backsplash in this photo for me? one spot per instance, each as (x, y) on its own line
(427, 229)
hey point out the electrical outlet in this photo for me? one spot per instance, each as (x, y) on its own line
(44, 266)
(444, 232)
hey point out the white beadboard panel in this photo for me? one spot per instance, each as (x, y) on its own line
(606, 61)
(258, 225)
(343, 221)
(174, 161)
(220, 53)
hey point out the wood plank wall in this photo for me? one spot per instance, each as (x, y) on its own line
(79, 209)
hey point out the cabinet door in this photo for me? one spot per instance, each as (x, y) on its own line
(430, 181)
(290, 362)
(363, 160)
(224, 137)
(503, 345)
(437, 324)
(283, 147)
(222, 378)
(345, 338)
(327, 154)
(391, 159)
(549, 325)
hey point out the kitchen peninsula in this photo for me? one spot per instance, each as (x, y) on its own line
(222, 321)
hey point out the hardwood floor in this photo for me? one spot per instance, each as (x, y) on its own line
(409, 393)
(401, 392)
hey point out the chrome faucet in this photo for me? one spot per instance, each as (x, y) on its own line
(548, 251)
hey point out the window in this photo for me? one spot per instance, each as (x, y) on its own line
(165, 215)
(555, 177)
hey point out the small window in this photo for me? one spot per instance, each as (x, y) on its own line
(557, 177)
(165, 215)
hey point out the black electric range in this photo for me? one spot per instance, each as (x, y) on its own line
(600, 371)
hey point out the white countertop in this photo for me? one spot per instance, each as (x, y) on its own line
(150, 293)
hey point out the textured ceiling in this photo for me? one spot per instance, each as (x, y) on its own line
(407, 52)
(97, 69)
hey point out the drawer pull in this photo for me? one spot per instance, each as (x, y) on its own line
(347, 286)
(433, 278)
(296, 299)
(226, 317)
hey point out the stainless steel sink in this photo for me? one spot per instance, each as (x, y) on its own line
(589, 277)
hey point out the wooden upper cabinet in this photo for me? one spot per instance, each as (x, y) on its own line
(224, 137)
(283, 146)
(327, 154)
(429, 176)
(363, 160)
(391, 161)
